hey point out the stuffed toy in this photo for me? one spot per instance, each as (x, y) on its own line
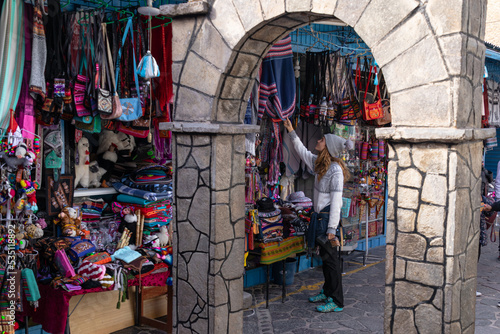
(95, 174)
(14, 162)
(21, 150)
(34, 231)
(124, 143)
(82, 168)
(70, 222)
(163, 236)
(129, 221)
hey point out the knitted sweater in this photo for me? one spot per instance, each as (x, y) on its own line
(327, 191)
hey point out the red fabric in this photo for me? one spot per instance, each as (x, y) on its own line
(161, 49)
(52, 311)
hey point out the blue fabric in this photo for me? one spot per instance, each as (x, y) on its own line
(317, 226)
(125, 254)
(277, 82)
(151, 187)
(150, 196)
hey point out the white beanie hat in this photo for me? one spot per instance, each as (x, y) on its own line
(337, 145)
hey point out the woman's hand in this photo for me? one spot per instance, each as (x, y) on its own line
(288, 125)
(331, 236)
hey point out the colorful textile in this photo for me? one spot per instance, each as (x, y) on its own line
(39, 55)
(277, 81)
(278, 251)
(12, 50)
(150, 196)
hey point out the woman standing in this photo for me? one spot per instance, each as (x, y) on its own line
(330, 173)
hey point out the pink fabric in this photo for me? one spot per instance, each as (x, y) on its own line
(52, 311)
(25, 112)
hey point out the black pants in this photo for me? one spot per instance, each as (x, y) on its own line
(333, 275)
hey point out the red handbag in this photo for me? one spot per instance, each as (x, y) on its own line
(373, 110)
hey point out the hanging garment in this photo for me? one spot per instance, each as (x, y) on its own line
(277, 82)
(494, 107)
(251, 118)
(11, 56)
(25, 114)
(39, 55)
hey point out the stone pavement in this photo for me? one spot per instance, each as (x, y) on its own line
(364, 301)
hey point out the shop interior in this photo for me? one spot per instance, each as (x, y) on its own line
(333, 76)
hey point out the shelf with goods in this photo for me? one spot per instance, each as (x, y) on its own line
(364, 194)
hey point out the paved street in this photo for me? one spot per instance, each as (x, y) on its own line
(364, 299)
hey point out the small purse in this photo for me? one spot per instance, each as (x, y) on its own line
(99, 258)
(63, 264)
(387, 118)
(131, 107)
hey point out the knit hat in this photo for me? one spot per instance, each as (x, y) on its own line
(92, 271)
(337, 145)
(299, 198)
(107, 281)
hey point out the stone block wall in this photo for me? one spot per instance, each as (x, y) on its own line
(209, 183)
(432, 237)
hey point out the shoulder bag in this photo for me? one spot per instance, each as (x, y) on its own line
(373, 110)
(131, 107)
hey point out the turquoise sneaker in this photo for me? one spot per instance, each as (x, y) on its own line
(329, 306)
(320, 297)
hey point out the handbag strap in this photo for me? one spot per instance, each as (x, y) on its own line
(127, 29)
(109, 61)
(368, 83)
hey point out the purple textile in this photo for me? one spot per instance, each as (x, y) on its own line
(25, 113)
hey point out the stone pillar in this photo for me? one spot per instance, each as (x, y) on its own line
(432, 233)
(209, 187)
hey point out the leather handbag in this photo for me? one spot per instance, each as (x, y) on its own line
(387, 118)
(373, 110)
(131, 107)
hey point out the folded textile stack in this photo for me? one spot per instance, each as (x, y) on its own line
(152, 183)
(156, 213)
(270, 220)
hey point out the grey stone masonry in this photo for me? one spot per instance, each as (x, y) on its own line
(431, 53)
(431, 209)
(209, 184)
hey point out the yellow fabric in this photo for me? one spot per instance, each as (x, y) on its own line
(278, 251)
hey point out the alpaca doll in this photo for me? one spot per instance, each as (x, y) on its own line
(82, 168)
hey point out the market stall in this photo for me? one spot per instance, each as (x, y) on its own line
(321, 91)
(86, 193)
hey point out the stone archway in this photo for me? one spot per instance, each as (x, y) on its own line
(432, 56)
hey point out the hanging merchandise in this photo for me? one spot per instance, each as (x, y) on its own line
(277, 82)
(373, 110)
(148, 68)
(116, 107)
(131, 107)
(11, 58)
